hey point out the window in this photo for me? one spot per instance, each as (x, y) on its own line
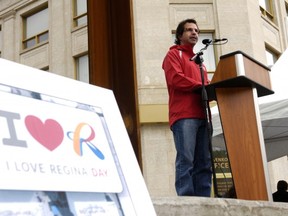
(80, 12)
(271, 57)
(35, 29)
(266, 8)
(208, 54)
(82, 67)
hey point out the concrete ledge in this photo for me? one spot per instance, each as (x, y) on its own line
(200, 206)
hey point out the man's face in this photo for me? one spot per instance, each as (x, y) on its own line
(190, 34)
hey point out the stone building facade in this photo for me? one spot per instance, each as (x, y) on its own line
(258, 28)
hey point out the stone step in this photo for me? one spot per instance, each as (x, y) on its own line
(200, 206)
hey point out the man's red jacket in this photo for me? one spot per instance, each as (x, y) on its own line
(183, 77)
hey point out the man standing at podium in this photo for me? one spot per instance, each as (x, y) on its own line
(187, 114)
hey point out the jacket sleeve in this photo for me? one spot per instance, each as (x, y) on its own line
(175, 76)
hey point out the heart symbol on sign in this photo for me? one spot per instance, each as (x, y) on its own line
(49, 134)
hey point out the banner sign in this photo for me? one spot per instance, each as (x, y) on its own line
(64, 148)
(50, 143)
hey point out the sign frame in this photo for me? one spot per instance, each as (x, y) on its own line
(134, 197)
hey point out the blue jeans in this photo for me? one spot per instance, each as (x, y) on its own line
(193, 159)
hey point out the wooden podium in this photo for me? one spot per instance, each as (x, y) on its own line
(237, 82)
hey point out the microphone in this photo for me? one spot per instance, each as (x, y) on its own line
(208, 41)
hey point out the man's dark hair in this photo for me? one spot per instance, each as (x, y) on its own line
(180, 29)
(282, 185)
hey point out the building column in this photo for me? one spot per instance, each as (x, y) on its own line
(8, 33)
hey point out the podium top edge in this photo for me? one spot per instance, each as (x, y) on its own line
(247, 56)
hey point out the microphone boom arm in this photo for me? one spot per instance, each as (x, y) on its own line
(198, 56)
